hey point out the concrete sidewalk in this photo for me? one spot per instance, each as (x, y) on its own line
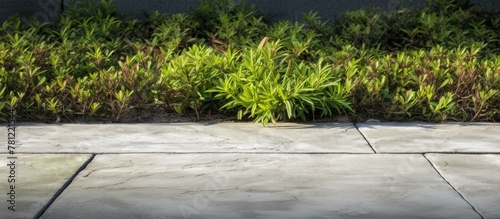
(244, 170)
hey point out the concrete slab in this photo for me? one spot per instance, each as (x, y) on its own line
(475, 177)
(259, 186)
(428, 137)
(37, 179)
(191, 137)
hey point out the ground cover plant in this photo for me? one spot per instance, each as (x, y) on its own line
(435, 64)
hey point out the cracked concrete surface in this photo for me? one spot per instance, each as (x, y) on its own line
(476, 177)
(428, 137)
(260, 186)
(38, 177)
(243, 170)
(191, 137)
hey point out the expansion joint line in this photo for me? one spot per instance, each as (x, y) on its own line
(61, 190)
(364, 137)
(453, 187)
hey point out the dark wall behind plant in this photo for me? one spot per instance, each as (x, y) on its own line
(45, 10)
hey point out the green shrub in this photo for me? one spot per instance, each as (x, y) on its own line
(436, 63)
(271, 85)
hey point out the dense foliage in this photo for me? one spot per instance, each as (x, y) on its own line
(436, 63)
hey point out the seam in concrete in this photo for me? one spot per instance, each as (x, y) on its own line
(449, 183)
(270, 152)
(442, 152)
(204, 152)
(61, 190)
(366, 139)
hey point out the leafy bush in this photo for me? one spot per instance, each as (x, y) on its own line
(271, 85)
(436, 63)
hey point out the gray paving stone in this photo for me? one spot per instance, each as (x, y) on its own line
(191, 137)
(476, 177)
(37, 179)
(427, 137)
(259, 186)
